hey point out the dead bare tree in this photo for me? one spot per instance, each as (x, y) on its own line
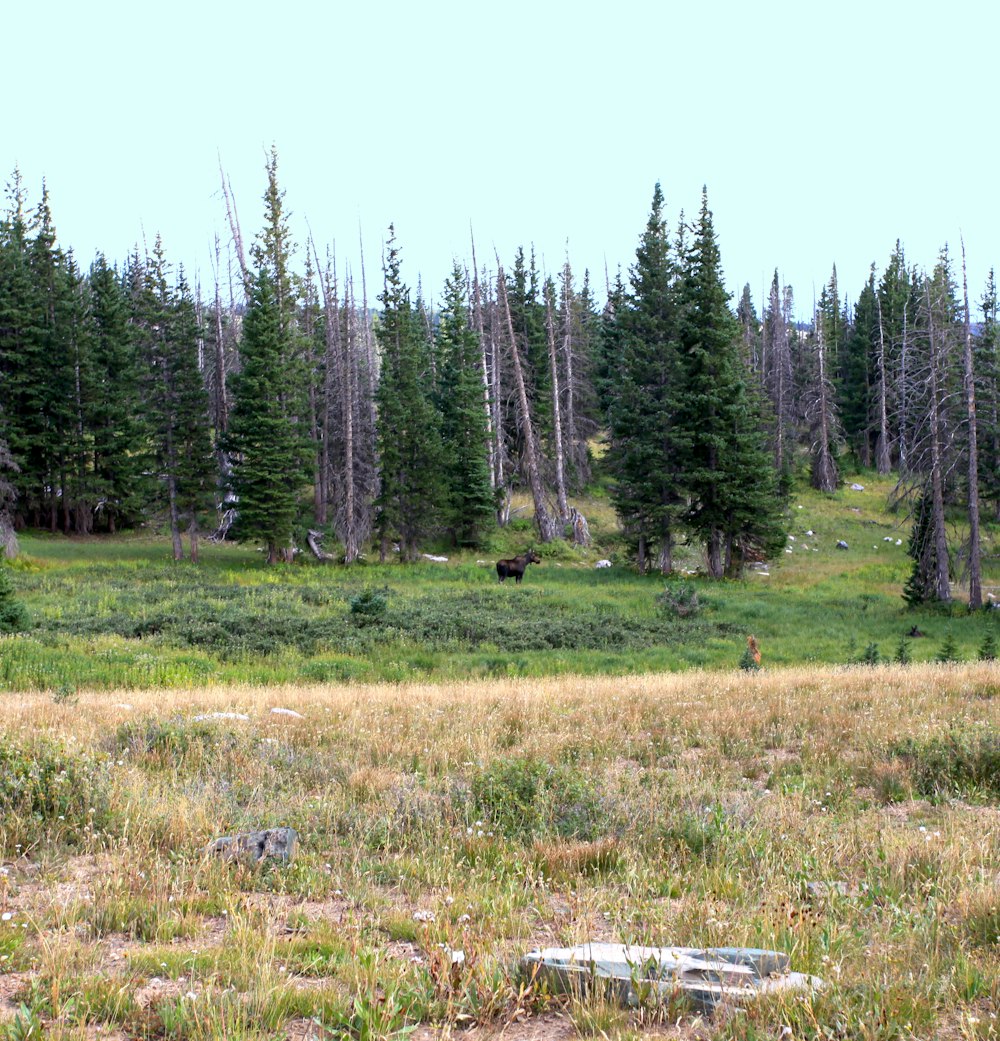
(234, 228)
(8, 497)
(822, 419)
(972, 449)
(883, 452)
(562, 505)
(543, 519)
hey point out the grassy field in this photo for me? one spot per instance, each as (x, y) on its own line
(491, 817)
(488, 769)
(119, 614)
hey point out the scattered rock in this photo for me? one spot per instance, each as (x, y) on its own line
(708, 977)
(437, 560)
(887, 538)
(841, 544)
(810, 532)
(423, 916)
(221, 715)
(857, 487)
(287, 712)
(254, 846)
(603, 564)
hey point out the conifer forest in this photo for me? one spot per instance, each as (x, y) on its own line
(296, 400)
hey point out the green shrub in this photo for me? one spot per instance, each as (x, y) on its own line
(13, 616)
(369, 606)
(679, 600)
(521, 797)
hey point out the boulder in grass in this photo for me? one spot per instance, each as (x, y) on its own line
(253, 847)
(287, 712)
(709, 977)
(841, 544)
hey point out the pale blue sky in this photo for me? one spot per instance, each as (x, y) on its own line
(823, 132)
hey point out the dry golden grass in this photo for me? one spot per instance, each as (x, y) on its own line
(694, 808)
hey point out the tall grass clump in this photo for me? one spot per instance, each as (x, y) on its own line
(964, 762)
(48, 791)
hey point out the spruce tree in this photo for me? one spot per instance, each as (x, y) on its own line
(188, 450)
(268, 473)
(922, 585)
(463, 420)
(648, 449)
(118, 423)
(413, 490)
(734, 506)
(987, 365)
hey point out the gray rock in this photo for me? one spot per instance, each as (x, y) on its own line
(242, 716)
(255, 846)
(287, 712)
(629, 973)
(857, 487)
(841, 544)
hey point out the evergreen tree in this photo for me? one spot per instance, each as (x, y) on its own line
(648, 449)
(186, 424)
(750, 331)
(734, 505)
(987, 365)
(115, 417)
(264, 442)
(413, 490)
(857, 386)
(922, 585)
(471, 501)
(819, 394)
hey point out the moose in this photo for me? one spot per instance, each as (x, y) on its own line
(514, 566)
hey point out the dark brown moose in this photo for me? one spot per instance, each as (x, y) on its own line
(514, 566)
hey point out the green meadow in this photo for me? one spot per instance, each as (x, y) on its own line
(118, 613)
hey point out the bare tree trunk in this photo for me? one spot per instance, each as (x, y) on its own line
(883, 454)
(352, 548)
(942, 586)
(175, 520)
(824, 468)
(477, 316)
(221, 396)
(234, 227)
(561, 504)
(904, 417)
(577, 452)
(193, 538)
(544, 521)
(975, 566)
